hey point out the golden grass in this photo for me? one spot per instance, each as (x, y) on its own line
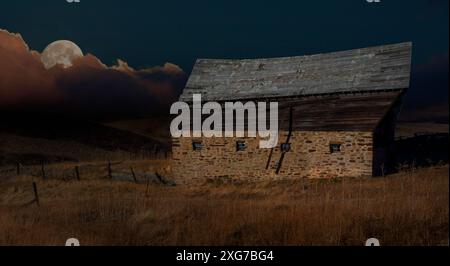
(409, 208)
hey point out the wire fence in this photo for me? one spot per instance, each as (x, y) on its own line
(113, 171)
(110, 170)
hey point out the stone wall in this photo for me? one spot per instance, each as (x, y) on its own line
(309, 157)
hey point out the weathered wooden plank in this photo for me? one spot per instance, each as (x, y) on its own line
(375, 68)
(359, 111)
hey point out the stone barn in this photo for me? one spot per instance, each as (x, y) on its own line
(337, 114)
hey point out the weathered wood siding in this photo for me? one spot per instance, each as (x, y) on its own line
(335, 112)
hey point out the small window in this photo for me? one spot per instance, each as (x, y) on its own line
(285, 147)
(197, 145)
(241, 145)
(334, 148)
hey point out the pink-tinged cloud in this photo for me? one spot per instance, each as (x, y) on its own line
(88, 88)
(23, 78)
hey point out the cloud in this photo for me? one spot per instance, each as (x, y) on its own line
(23, 78)
(88, 88)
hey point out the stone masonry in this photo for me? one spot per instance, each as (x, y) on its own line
(309, 157)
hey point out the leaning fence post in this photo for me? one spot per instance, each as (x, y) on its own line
(43, 171)
(77, 173)
(36, 195)
(160, 178)
(133, 174)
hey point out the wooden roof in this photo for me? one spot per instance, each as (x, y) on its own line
(380, 68)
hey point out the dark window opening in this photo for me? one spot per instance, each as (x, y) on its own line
(241, 145)
(335, 148)
(197, 146)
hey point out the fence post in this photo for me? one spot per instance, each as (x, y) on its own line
(160, 178)
(109, 170)
(156, 151)
(148, 184)
(36, 195)
(133, 174)
(43, 170)
(151, 153)
(77, 173)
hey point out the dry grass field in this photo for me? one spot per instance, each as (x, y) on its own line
(408, 208)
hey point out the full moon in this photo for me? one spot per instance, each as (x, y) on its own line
(60, 53)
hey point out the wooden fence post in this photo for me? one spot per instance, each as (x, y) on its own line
(133, 174)
(148, 184)
(151, 153)
(36, 195)
(160, 178)
(77, 173)
(43, 170)
(156, 151)
(109, 170)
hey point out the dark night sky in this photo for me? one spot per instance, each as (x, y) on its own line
(147, 33)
